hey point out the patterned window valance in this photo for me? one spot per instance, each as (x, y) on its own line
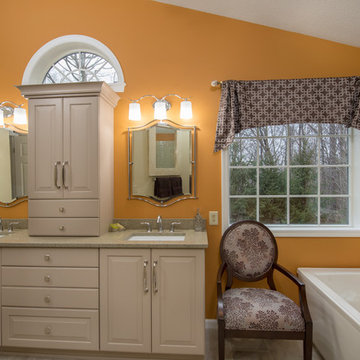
(249, 104)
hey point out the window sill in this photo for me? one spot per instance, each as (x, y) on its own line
(328, 231)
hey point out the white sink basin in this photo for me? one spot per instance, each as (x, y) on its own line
(3, 233)
(157, 237)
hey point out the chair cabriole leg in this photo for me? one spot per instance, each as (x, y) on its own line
(221, 339)
(308, 343)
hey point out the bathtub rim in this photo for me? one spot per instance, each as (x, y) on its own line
(340, 304)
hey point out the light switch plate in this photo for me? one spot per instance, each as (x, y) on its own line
(213, 218)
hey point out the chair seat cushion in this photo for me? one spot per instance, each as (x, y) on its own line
(261, 309)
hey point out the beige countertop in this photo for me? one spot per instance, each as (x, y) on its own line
(20, 238)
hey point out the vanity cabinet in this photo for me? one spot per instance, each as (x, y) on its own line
(70, 158)
(152, 300)
(49, 298)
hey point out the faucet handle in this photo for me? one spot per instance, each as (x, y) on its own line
(172, 226)
(148, 225)
(11, 226)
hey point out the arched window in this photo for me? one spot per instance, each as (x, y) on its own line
(74, 58)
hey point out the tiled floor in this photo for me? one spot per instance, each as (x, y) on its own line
(256, 349)
(237, 349)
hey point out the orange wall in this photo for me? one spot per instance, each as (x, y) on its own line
(165, 49)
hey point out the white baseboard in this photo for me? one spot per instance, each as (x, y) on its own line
(210, 324)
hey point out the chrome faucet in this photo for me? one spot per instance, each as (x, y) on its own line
(159, 222)
(11, 226)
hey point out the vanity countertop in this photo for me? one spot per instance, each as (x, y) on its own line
(20, 238)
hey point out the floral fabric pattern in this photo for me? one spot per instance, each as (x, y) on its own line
(261, 309)
(249, 104)
(249, 250)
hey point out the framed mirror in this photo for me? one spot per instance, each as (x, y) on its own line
(162, 162)
(13, 167)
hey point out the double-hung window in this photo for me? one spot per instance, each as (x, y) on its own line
(296, 178)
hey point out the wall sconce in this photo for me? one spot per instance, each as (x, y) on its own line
(11, 109)
(161, 106)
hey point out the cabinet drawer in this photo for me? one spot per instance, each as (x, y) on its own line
(64, 227)
(50, 277)
(51, 328)
(50, 257)
(63, 208)
(50, 297)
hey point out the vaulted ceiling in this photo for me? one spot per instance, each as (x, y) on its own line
(335, 20)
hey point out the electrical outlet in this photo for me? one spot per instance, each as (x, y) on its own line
(213, 218)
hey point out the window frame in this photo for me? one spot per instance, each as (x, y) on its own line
(57, 48)
(350, 230)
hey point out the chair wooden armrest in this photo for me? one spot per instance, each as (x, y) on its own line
(220, 302)
(302, 295)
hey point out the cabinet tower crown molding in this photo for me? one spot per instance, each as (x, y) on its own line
(96, 88)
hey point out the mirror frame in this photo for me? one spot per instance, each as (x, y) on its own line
(162, 203)
(24, 198)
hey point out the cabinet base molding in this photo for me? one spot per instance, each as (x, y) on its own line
(87, 355)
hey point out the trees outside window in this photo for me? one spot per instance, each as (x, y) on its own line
(81, 67)
(296, 174)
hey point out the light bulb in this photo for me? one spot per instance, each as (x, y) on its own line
(186, 110)
(160, 110)
(20, 116)
(2, 124)
(134, 111)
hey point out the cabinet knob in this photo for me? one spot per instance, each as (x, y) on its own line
(47, 330)
(61, 227)
(47, 257)
(47, 299)
(47, 278)
(61, 209)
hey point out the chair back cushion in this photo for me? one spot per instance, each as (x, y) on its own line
(249, 249)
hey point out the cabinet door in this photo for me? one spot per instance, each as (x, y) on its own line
(178, 322)
(45, 148)
(81, 147)
(125, 300)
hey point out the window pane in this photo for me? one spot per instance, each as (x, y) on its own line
(276, 130)
(242, 209)
(303, 210)
(242, 181)
(272, 181)
(81, 67)
(272, 211)
(333, 129)
(303, 129)
(303, 151)
(243, 152)
(272, 151)
(303, 181)
(334, 150)
(334, 211)
(334, 181)
(247, 133)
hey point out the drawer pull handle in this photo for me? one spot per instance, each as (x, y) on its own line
(47, 330)
(65, 165)
(61, 209)
(47, 299)
(47, 257)
(146, 289)
(155, 286)
(47, 278)
(56, 174)
(62, 227)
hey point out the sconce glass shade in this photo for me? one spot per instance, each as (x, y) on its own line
(186, 110)
(1, 118)
(134, 111)
(160, 110)
(20, 116)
